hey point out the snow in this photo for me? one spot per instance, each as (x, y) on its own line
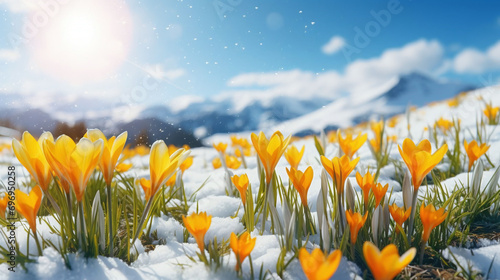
(477, 259)
(169, 259)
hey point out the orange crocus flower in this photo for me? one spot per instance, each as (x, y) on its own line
(29, 152)
(241, 183)
(301, 181)
(339, 169)
(379, 192)
(28, 205)
(197, 225)
(270, 151)
(399, 214)
(317, 266)
(474, 151)
(387, 264)
(242, 247)
(349, 145)
(431, 218)
(419, 159)
(366, 183)
(356, 222)
(112, 148)
(293, 156)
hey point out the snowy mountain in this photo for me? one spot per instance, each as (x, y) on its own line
(389, 99)
(212, 116)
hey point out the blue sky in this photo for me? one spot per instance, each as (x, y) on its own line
(167, 50)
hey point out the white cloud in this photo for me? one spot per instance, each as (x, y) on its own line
(359, 77)
(19, 6)
(418, 56)
(9, 55)
(158, 72)
(334, 45)
(473, 61)
(182, 102)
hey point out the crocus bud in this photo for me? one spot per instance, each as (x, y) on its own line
(478, 176)
(351, 202)
(407, 191)
(377, 215)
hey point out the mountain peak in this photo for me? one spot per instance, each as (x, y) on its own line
(419, 89)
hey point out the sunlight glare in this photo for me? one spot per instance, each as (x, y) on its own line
(85, 42)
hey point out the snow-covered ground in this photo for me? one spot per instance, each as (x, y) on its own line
(169, 261)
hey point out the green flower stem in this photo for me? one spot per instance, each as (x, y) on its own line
(110, 220)
(143, 218)
(53, 202)
(83, 236)
(422, 250)
(37, 243)
(412, 215)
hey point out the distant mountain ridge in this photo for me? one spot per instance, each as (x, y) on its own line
(199, 118)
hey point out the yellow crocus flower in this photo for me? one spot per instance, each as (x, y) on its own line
(491, 113)
(112, 148)
(220, 147)
(293, 156)
(387, 264)
(242, 247)
(431, 218)
(317, 266)
(301, 181)
(399, 214)
(270, 151)
(58, 156)
(241, 183)
(216, 163)
(28, 205)
(232, 162)
(186, 164)
(3, 205)
(379, 193)
(197, 225)
(162, 165)
(349, 145)
(29, 152)
(474, 151)
(419, 159)
(366, 183)
(74, 162)
(339, 169)
(356, 222)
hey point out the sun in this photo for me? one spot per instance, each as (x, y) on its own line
(86, 41)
